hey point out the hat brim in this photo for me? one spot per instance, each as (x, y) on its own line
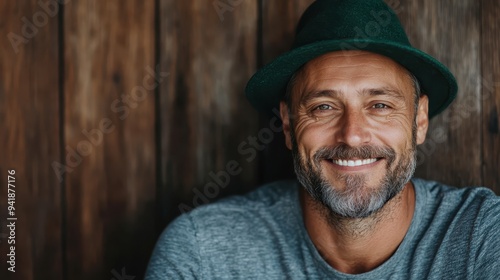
(267, 86)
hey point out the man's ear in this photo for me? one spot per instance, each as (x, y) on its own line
(285, 118)
(422, 119)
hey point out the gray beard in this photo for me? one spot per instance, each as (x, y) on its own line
(356, 200)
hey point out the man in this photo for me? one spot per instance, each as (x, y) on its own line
(354, 108)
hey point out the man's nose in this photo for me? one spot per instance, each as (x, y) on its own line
(353, 129)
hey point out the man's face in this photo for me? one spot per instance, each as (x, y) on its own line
(353, 130)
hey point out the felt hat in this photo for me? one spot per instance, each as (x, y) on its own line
(338, 25)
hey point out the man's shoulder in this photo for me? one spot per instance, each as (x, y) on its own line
(444, 194)
(474, 207)
(269, 202)
(265, 196)
(243, 222)
(218, 238)
(460, 222)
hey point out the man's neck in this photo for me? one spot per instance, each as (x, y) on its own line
(359, 245)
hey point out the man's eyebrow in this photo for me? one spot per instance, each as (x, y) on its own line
(369, 91)
(317, 94)
(384, 91)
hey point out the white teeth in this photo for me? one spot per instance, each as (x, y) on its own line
(357, 162)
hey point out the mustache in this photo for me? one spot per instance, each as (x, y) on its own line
(344, 152)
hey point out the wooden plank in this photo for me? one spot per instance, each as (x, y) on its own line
(209, 49)
(110, 137)
(490, 43)
(450, 33)
(279, 20)
(29, 123)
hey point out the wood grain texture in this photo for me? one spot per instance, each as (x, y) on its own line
(29, 112)
(29, 119)
(209, 49)
(109, 133)
(490, 44)
(450, 33)
(279, 21)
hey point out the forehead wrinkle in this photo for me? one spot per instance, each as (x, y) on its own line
(335, 65)
(329, 78)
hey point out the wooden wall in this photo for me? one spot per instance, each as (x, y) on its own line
(119, 115)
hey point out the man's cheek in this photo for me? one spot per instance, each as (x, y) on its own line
(313, 139)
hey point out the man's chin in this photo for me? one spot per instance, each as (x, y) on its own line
(353, 199)
(361, 211)
(360, 184)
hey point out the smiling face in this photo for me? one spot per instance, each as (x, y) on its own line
(353, 130)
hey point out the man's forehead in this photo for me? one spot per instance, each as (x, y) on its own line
(357, 67)
(346, 57)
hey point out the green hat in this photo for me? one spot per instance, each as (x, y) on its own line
(336, 25)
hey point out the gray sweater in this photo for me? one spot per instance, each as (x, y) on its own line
(454, 234)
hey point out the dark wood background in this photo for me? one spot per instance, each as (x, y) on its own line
(131, 158)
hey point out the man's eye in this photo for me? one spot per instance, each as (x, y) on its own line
(323, 107)
(380, 106)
